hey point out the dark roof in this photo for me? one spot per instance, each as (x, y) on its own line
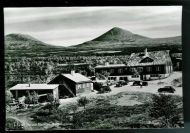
(111, 66)
(154, 58)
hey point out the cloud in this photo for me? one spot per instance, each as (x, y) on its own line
(73, 25)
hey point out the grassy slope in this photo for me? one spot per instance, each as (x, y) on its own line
(103, 113)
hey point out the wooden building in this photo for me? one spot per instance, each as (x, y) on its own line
(140, 66)
(72, 84)
(21, 90)
(116, 71)
(149, 65)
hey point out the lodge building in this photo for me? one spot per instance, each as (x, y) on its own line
(140, 66)
(117, 71)
(149, 65)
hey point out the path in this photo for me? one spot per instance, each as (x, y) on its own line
(22, 120)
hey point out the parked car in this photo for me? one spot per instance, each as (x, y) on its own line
(118, 84)
(140, 83)
(121, 83)
(169, 89)
(137, 83)
(111, 82)
(144, 83)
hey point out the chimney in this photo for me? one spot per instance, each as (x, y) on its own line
(72, 72)
(107, 64)
(145, 52)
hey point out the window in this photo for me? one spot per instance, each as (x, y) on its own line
(149, 69)
(112, 71)
(157, 68)
(101, 71)
(154, 75)
(121, 78)
(135, 76)
(120, 70)
(82, 85)
(79, 86)
(132, 69)
(140, 69)
(113, 78)
(87, 85)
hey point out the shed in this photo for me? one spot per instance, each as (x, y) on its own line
(20, 90)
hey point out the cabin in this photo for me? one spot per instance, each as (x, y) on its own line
(72, 84)
(149, 65)
(116, 71)
(21, 90)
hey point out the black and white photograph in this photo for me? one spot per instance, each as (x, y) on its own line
(92, 68)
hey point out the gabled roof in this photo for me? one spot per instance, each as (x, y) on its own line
(158, 57)
(34, 87)
(77, 77)
(110, 65)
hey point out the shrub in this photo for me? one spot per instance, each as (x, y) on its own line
(31, 98)
(52, 105)
(97, 86)
(43, 112)
(177, 82)
(50, 98)
(35, 97)
(103, 125)
(76, 122)
(83, 101)
(164, 108)
(102, 102)
(12, 124)
(8, 99)
(104, 89)
(44, 115)
(72, 107)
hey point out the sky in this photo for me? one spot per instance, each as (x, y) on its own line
(66, 26)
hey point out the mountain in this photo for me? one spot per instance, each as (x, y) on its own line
(118, 34)
(118, 38)
(23, 41)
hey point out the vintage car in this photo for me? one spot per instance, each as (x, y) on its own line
(140, 83)
(169, 89)
(121, 83)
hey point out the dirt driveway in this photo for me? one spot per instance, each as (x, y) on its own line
(151, 88)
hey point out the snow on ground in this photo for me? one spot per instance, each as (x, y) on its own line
(152, 87)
